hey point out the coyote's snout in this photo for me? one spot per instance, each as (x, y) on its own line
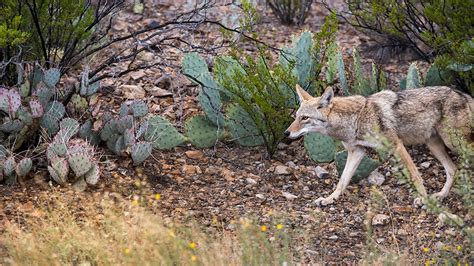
(419, 116)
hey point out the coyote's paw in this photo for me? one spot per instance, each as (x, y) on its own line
(324, 201)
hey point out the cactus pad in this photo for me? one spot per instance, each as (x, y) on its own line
(413, 77)
(320, 148)
(242, 127)
(12, 126)
(162, 134)
(23, 167)
(139, 109)
(10, 100)
(93, 175)
(9, 166)
(36, 108)
(140, 152)
(124, 123)
(80, 163)
(59, 170)
(201, 132)
(366, 166)
(196, 69)
(51, 77)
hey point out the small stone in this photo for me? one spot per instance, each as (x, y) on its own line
(380, 219)
(402, 232)
(195, 155)
(251, 181)
(333, 237)
(260, 196)
(158, 92)
(288, 195)
(190, 169)
(425, 165)
(132, 91)
(380, 240)
(282, 170)
(136, 75)
(282, 146)
(291, 164)
(320, 172)
(376, 178)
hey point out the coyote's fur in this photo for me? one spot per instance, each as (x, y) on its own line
(424, 115)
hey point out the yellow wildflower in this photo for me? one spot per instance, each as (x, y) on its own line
(426, 250)
(192, 245)
(263, 228)
(157, 196)
(193, 258)
(458, 247)
(279, 226)
(126, 251)
(135, 202)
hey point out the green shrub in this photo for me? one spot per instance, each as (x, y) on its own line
(438, 30)
(54, 33)
(253, 97)
(291, 11)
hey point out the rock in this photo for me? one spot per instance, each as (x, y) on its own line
(288, 195)
(402, 232)
(260, 196)
(333, 237)
(291, 164)
(251, 181)
(425, 165)
(282, 170)
(136, 75)
(376, 178)
(380, 219)
(228, 175)
(320, 172)
(191, 169)
(158, 92)
(164, 81)
(133, 91)
(195, 155)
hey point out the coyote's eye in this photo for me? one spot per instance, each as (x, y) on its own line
(304, 117)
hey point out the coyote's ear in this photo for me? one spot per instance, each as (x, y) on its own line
(302, 94)
(327, 97)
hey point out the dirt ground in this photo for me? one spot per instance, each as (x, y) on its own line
(215, 187)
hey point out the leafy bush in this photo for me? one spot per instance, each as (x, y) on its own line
(291, 11)
(57, 33)
(253, 98)
(438, 30)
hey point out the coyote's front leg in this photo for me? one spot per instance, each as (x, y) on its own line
(355, 155)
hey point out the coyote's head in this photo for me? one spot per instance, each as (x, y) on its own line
(312, 116)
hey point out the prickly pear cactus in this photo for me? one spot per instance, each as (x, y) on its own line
(10, 100)
(196, 69)
(201, 132)
(50, 121)
(23, 167)
(320, 148)
(413, 77)
(300, 56)
(341, 71)
(162, 134)
(92, 176)
(79, 104)
(9, 166)
(139, 109)
(59, 170)
(51, 77)
(140, 152)
(87, 133)
(366, 166)
(242, 128)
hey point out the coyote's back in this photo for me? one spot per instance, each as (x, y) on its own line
(418, 114)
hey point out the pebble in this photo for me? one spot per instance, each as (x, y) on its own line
(251, 181)
(320, 172)
(380, 219)
(260, 196)
(425, 165)
(282, 170)
(376, 178)
(196, 155)
(333, 237)
(288, 195)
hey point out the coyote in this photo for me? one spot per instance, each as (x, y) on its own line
(416, 116)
